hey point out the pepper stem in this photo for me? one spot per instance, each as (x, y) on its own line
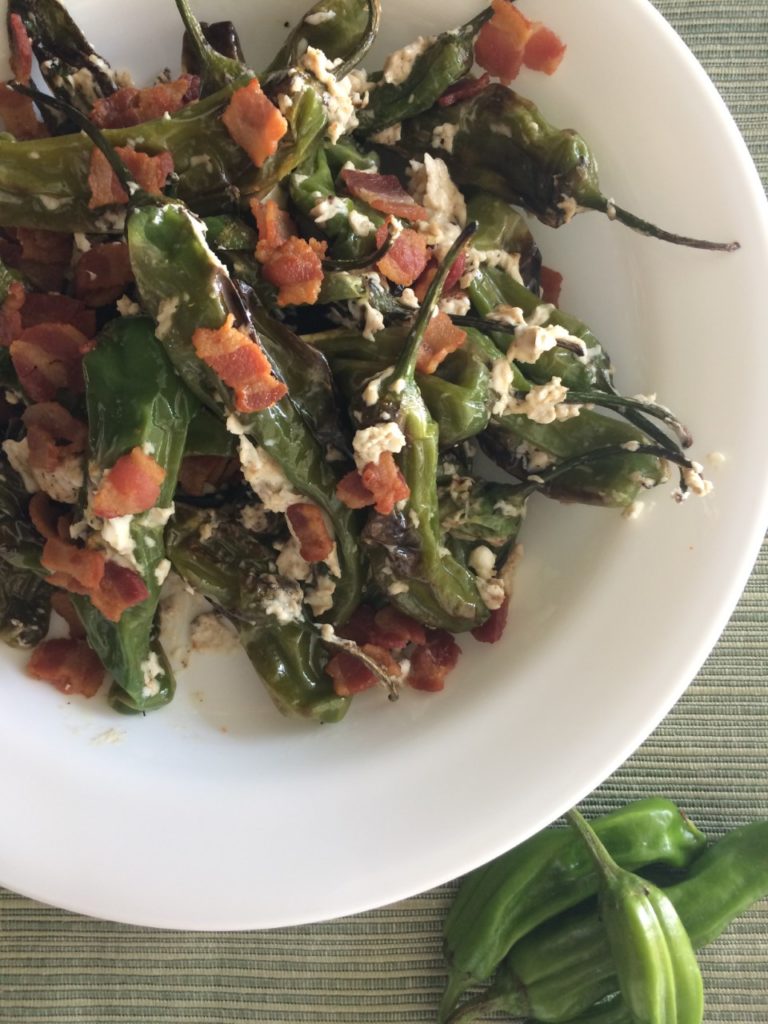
(475, 1007)
(371, 31)
(219, 70)
(361, 262)
(406, 365)
(620, 403)
(604, 862)
(644, 227)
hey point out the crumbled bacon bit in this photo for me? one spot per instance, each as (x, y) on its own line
(405, 259)
(53, 308)
(129, 106)
(493, 628)
(501, 42)
(386, 483)
(47, 358)
(551, 284)
(275, 226)
(61, 603)
(131, 486)
(394, 629)
(103, 273)
(352, 492)
(18, 115)
(53, 435)
(119, 590)
(360, 626)
(241, 364)
(21, 50)
(78, 570)
(464, 90)
(432, 663)
(41, 246)
(349, 674)
(149, 172)
(308, 526)
(384, 193)
(441, 338)
(10, 314)
(296, 270)
(70, 665)
(544, 51)
(254, 122)
(204, 474)
(44, 515)
(456, 272)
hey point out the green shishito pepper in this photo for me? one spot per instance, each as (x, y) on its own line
(343, 29)
(564, 967)
(134, 398)
(659, 975)
(503, 145)
(184, 286)
(500, 903)
(231, 569)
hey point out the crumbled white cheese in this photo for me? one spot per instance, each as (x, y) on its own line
(544, 403)
(319, 17)
(695, 481)
(458, 305)
(327, 209)
(371, 391)
(502, 377)
(81, 242)
(631, 446)
(152, 670)
(255, 518)
(443, 136)
(266, 478)
(634, 511)
(398, 587)
(361, 225)
(374, 321)
(235, 426)
(388, 136)
(399, 64)
(409, 298)
(431, 186)
(371, 442)
(509, 262)
(482, 562)
(127, 307)
(290, 563)
(157, 516)
(284, 602)
(82, 81)
(212, 632)
(116, 534)
(533, 458)
(320, 598)
(162, 569)
(63, 483)
(340, 98)
(53, 202)
(165, 314)
(570, 208)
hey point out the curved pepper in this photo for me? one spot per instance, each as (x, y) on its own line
(343, 29)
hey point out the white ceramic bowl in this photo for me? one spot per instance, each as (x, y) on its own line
(218, 813)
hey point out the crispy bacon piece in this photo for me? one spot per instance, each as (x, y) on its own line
(18, 115)
(441, 338)
(78, 570)
(204, 474)
(44, 515)
(296, 270)
(129, 106)
(432, 663)
(10, 314)
(544, 51)
(500, 44)
(41, 246)
(103, 273)
(464, 90)
(349, 674)
(352, 492)
(21, 50)
(48, 357)
(241, 364)
(405, 259)
(551, 284)
(384, 193)
(386, 483)
(360, 626)
(394, 629)
(53, 435)
(275, 226)
(70, 665)
(131, 486)
(493, 628)
(53, 308)
(254, 122)
(308, 526)
(119, 590)
(61, 603)
(150, 172)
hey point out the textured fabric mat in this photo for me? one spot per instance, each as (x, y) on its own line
(711, 754)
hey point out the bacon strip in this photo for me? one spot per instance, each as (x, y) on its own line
(349, 674)
(52, 308)
(149, 172)
(119, 590)
(500, 44)
(254, 122)
(405, 259)
(384, 193)
(41, 246)
(296, 270)
(386, 627)
(18, 115)
(129, 106)
(47, 358)
(308, 526)
(131, 486)
(241, 364)
(70, 665)
(103, 273)
(10, 314)
(275, 227)
(432, 663)
(380, 484)
(493, 628)
(464, 90)
(21, 50)
(441, 338)
(544, 51)
(551, 284)
(53, 435)
(78, 570)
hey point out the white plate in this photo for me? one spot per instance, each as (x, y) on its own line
(217, 813)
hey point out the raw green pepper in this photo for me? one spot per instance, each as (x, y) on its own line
(503, 145)
(503, 901)
(134, 398)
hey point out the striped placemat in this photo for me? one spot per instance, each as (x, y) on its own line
(711, 754)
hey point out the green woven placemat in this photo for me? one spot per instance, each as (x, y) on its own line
(711, 754)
